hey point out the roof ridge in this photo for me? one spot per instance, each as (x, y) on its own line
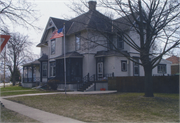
(91, 12)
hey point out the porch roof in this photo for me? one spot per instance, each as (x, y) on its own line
(36, 62)
(111, 53)
(44, 57)
(71, 55)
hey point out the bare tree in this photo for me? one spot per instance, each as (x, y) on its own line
(17, 12)
(18, 53)
(156, 22)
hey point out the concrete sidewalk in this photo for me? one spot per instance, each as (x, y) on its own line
(73, 92)
(39, 115)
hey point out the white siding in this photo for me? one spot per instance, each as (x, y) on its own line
(113, 64)
(45, 50)
(58, 48)
(89, 64)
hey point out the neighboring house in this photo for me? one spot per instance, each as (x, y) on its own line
(175, 66)
(85, 60)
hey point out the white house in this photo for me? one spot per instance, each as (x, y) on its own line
(89, 56)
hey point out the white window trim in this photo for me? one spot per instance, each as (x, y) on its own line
(123, 62)
(52, 69)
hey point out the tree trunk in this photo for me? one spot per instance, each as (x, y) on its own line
(13, 78)
(148, 81)
(14, 70)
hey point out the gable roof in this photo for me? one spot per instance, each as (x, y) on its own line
(44, 57)
(90, 20)
(174, 59)
(124, 23)
(36, 62)
(60, 23)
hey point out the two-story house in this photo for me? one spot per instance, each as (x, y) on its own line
(88, 53)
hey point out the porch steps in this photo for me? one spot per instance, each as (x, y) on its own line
(85, 86)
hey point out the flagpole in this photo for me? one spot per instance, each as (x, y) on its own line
(64, 58)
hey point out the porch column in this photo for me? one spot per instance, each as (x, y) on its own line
(32, 73)
(27, 74)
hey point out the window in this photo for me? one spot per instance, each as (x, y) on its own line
(161, 68)
(25, 72)
(100, 68)
(52, 69)
(53, 45)
(124, 66)
(44, 69)
(110, 42)
(120, 42)
(53, 29)
(77, 41)
(136, 66)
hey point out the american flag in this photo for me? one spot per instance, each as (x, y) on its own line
(57, 34)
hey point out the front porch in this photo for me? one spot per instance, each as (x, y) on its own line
(31, 74)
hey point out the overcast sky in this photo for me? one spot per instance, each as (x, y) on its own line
(48, 8)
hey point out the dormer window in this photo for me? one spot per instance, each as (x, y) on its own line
(120, 42)
(110, 42)
(53, 29)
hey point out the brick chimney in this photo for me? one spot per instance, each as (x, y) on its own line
(92, 5)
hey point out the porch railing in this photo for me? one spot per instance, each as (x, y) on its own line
(87, 80)
(105, 76)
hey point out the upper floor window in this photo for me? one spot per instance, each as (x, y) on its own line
(161, 68)
(77, 41)
(53, 45)
(52, 69)
(120, 42)
(123, 65)
(110, 42)
(44, 69)
(53, 29)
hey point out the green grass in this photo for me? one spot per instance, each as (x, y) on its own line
(18, 90)
(13, 88)
(9, 116)
(119, 107)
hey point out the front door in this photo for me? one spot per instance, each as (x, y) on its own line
(100, 70)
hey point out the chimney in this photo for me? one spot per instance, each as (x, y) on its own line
(92, 5)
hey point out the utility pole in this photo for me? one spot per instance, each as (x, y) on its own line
(4, 65)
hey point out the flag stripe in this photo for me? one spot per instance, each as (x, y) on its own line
(57, 34)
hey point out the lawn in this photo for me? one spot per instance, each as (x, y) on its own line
(9, 116)
(17, 90)
(119, 107)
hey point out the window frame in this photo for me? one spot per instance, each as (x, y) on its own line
(136, 66)
(78, 44)
(100, 67)
(53, 47)
(44, 63)
(120, 40)
(52, 69)
(110, 42)
(122, 66)
(160, 66)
